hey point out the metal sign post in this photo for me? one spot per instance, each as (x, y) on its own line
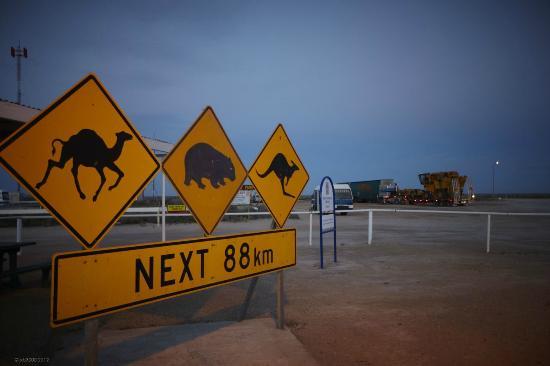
(280, 300)
(279, 178)
(280, 290)
(91, 342)
(327, 213)
(87, 127)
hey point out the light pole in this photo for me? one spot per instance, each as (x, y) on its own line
(19, 52)
(494, 166)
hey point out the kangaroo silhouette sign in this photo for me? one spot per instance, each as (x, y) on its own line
(279, 175)
(87, 137)
(205, 170)
(280, 167)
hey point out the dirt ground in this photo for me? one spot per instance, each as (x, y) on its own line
(424, 293)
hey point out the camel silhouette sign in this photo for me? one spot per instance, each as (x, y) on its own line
(91, 144)
(205, 170)
(279, 175)
(88, 149)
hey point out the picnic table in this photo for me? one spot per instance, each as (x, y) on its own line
(11, 248)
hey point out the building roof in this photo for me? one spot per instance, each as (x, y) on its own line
(16, 112)
(13, 115)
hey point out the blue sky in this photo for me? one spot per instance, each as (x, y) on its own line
(365, 89)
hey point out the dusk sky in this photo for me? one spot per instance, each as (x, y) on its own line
(365, 89)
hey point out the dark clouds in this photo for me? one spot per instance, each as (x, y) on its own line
(365, 89)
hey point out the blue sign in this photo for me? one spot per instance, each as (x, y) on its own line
(327, 212)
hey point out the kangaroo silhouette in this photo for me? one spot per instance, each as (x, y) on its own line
(203, 161)
(88, 149)
(279, 165)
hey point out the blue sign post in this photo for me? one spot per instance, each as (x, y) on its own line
(327, 212)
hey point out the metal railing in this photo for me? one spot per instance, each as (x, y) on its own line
(21, 214)
(471, 213)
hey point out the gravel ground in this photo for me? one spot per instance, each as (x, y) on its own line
(424, 293)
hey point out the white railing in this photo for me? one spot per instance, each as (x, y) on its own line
(448, 212)
(22, 214)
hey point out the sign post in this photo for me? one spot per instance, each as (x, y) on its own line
(327, 213)
(109, 165)
(279, 177)
(86, 127)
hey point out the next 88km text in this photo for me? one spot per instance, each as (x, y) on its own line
(240, 255)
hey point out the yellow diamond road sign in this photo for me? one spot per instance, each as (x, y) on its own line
(82, 159)
(205, 170)
(279, 175)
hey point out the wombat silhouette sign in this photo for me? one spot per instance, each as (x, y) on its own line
(205, 170)
(279, 175)
(87, 137)
(204, 161)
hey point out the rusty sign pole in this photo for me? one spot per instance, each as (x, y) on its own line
(280, 292)
(91, 331)
(91, 341)
(248, 298)
(163, 206)
(280, 300)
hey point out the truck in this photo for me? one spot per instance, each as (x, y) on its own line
(376, 191)
(342, 196)
(389, 194)
(412, 196)
(443, 188)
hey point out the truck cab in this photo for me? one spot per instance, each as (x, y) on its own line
(343, 197)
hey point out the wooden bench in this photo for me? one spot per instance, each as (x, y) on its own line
(44, 267)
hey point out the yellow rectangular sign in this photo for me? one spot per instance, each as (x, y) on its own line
(87, 284)
(176, 208)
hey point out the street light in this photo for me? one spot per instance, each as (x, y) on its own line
(494, 166)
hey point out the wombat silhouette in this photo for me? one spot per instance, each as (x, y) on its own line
(203, 161)
(88, 149)
(279, 165)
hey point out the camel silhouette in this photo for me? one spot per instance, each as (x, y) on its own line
(88, 149)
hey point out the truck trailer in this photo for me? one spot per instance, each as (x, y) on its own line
(372, 190)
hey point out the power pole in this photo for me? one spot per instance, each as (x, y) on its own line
(18, 53)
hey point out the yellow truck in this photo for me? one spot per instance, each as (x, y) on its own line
(444, 188)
